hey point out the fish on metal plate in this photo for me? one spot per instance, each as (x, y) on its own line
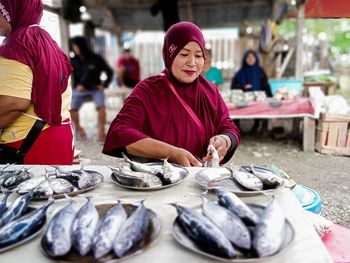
(170, 173)
(88, 179)
(27, 186)
(22, 227)
(268, 234)
(16, 209)
(8, 174)
(139, 167)
(204, 232)
(43, 189)
(71, 177)
(60, 186)
(84, 227)
(230, 224)
(107, 229)
(132, 232)
(247, 180)
(13, 181)
(233, 203)
(57, 237)
(3, 203)
(215, 160)
(137, 179)
(268, 178)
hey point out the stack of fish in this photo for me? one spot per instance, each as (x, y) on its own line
(246, 178)
(231, 229)
(17, 222)
(83, 232)
(59, 182)
(143, 175)
(10, 179)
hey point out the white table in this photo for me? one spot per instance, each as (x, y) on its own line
(307, 246)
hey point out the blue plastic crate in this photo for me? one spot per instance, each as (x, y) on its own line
(290, 84)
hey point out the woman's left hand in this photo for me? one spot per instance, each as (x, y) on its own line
(221, 144)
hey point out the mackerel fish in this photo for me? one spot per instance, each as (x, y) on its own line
(247, 180)
(268, 234)
(3, 203)
(132, 233)
(23, 226)
(107, 229)
(230, 224)
(84, 227)
(57, 237)
(204, 232)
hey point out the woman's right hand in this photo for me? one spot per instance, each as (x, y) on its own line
(183, 157)
(80, 87)
(248, 86)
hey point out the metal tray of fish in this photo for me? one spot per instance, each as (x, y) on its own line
(180, 236)
(182, 171)
(76, 191)
(211, 178)
(34, 233)
(156, 226)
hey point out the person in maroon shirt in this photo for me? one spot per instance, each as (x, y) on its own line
(128, 70)
(177, 114)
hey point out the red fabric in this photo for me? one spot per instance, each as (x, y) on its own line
(34, 47)
(326, 9)
(289, 108)
(337, 243)
(132, 68)
(54, 146)
(152, 109)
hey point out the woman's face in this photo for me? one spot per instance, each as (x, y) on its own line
(5, 27)
(188, 63)
(250, 59)
(76, 49)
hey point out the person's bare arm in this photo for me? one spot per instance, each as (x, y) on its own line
(11, 109)
(152, 148)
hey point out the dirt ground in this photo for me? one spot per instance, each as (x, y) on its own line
(328, 175)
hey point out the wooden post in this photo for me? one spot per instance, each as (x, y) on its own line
(299, 42)
(309, 130)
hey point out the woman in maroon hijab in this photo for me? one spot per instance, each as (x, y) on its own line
(178, 113)
(34, 76)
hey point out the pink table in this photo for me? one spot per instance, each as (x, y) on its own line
(297, 108)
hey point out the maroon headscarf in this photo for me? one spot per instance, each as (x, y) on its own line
(33, 46)
(152, 109)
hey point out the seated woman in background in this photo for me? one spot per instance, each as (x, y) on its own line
(178, 113)
(251, 77)
(212, 74)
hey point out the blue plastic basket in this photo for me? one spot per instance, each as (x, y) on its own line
(308, 198)
(291, 85)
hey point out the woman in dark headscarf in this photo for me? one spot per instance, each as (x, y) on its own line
(178, 113)
(251, 77)
(34, 75)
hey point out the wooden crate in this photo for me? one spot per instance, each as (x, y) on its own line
(333, 134)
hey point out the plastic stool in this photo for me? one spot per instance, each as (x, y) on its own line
(337, 242)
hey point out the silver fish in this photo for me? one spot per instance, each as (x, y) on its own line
(84, 227)
(132, 232)
(230, 224)
(268, 178)
(16, 209)
(247, 180)
(139, 167)
(15, 180)
(60, 186)
(107, 229)
(8, 174)
(170, 173)
(22, 227)
(27, 186)
(3, 203)
(269, 232)
(43, 189)
(139, 179)
(88, 180)
(204, 233)
(233, 203)
(57, 238)
(215, 160)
